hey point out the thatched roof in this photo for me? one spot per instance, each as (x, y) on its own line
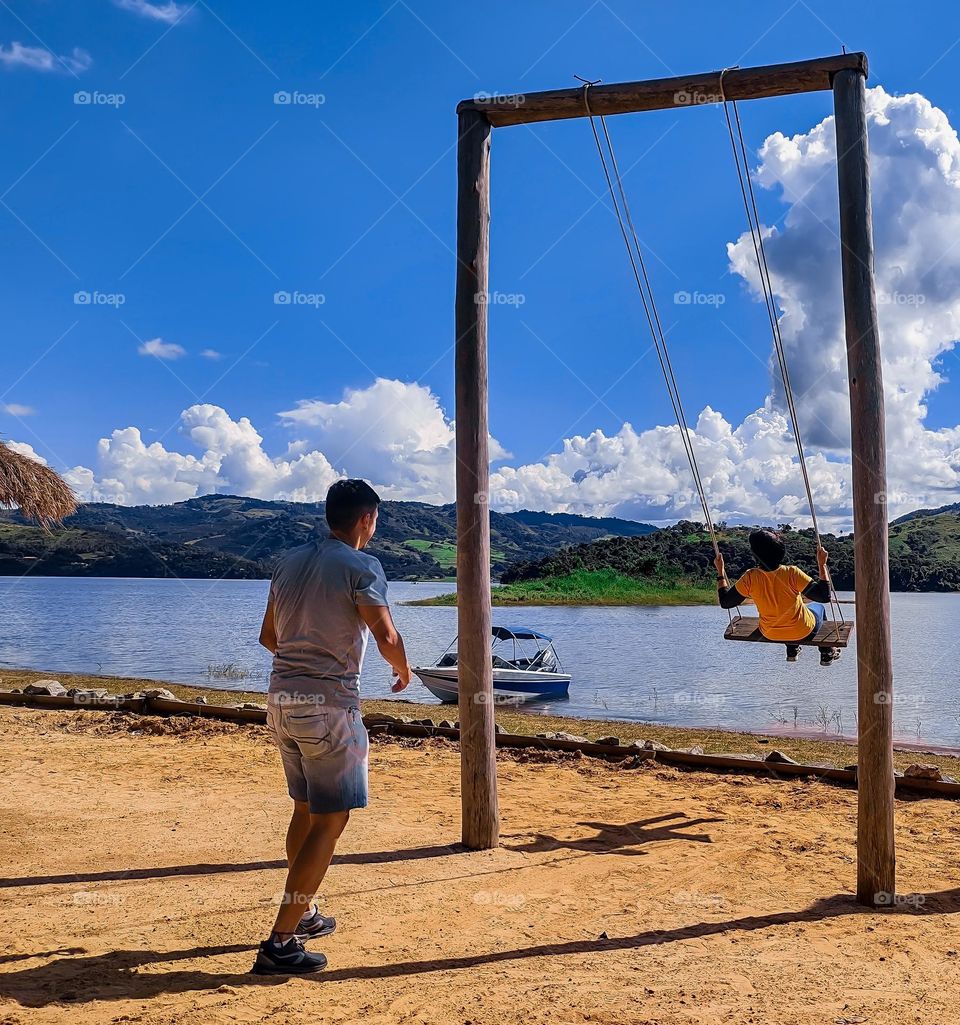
(40, 493)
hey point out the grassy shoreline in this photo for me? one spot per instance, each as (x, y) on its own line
(593, 587)
(806, 749)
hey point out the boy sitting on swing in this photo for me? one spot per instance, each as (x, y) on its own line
(778, 592)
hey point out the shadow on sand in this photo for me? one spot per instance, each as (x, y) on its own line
(623, 838)
(113, 975)
(204, 869)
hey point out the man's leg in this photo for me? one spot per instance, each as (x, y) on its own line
(308, 866)
(285, 955)
(297, 830)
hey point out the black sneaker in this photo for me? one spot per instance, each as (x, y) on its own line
(313, 924)
(828, 656)
(793, 652)
(289, 958)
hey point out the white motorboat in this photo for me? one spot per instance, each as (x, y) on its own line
(531, 673)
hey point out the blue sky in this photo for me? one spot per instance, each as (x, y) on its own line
(184, 188)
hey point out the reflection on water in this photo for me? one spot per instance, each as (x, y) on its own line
(666, 665)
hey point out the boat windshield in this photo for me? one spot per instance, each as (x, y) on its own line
(547, 659)
(512, 652)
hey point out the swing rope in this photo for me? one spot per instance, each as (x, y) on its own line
(621, 207)
(739, 149)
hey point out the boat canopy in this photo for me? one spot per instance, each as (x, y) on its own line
(520, 633)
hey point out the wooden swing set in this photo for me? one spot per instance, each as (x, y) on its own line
(845, 75)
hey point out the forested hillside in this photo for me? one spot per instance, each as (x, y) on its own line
(228, 536)
(924, 554)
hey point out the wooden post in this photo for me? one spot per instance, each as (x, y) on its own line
(876, 856)
(478, 765)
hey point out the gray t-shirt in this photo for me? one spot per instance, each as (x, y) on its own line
(321, 638)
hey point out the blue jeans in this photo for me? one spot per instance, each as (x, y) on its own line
(819, 612)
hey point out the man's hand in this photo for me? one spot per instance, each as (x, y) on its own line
(718, 562)
(401, 679)
(822, 557)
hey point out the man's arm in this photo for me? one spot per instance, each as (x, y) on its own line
(389, 641)
(268, 629)
(819, 590)
(729, 596)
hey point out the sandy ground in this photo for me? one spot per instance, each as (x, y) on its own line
(141, 870)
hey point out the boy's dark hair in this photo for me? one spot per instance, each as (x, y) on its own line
(768, 548)
(347, 501)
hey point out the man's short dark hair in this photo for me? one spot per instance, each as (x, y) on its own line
(347, 501)
(768, 548)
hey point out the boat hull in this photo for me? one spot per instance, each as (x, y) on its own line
(510, 686)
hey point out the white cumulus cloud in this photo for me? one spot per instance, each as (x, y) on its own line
(915, 170)
(26, 450)
(168, 13)
(231, 460)
(392, 432)
(161, 350)
(38, 58)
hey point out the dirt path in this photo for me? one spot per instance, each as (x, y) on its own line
(141, 871)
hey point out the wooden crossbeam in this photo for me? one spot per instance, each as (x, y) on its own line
(830, 635)
(679, 92)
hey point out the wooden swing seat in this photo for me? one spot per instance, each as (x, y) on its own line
(831, 634)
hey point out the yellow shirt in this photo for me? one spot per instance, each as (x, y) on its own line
(776, 593)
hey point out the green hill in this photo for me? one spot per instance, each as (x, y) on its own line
(919, 514)
(229, 536)
(233, 537)
(924, 555)
(73, 551)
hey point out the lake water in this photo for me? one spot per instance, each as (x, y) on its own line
(665, 665)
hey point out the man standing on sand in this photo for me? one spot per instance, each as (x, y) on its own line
(323, 598)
